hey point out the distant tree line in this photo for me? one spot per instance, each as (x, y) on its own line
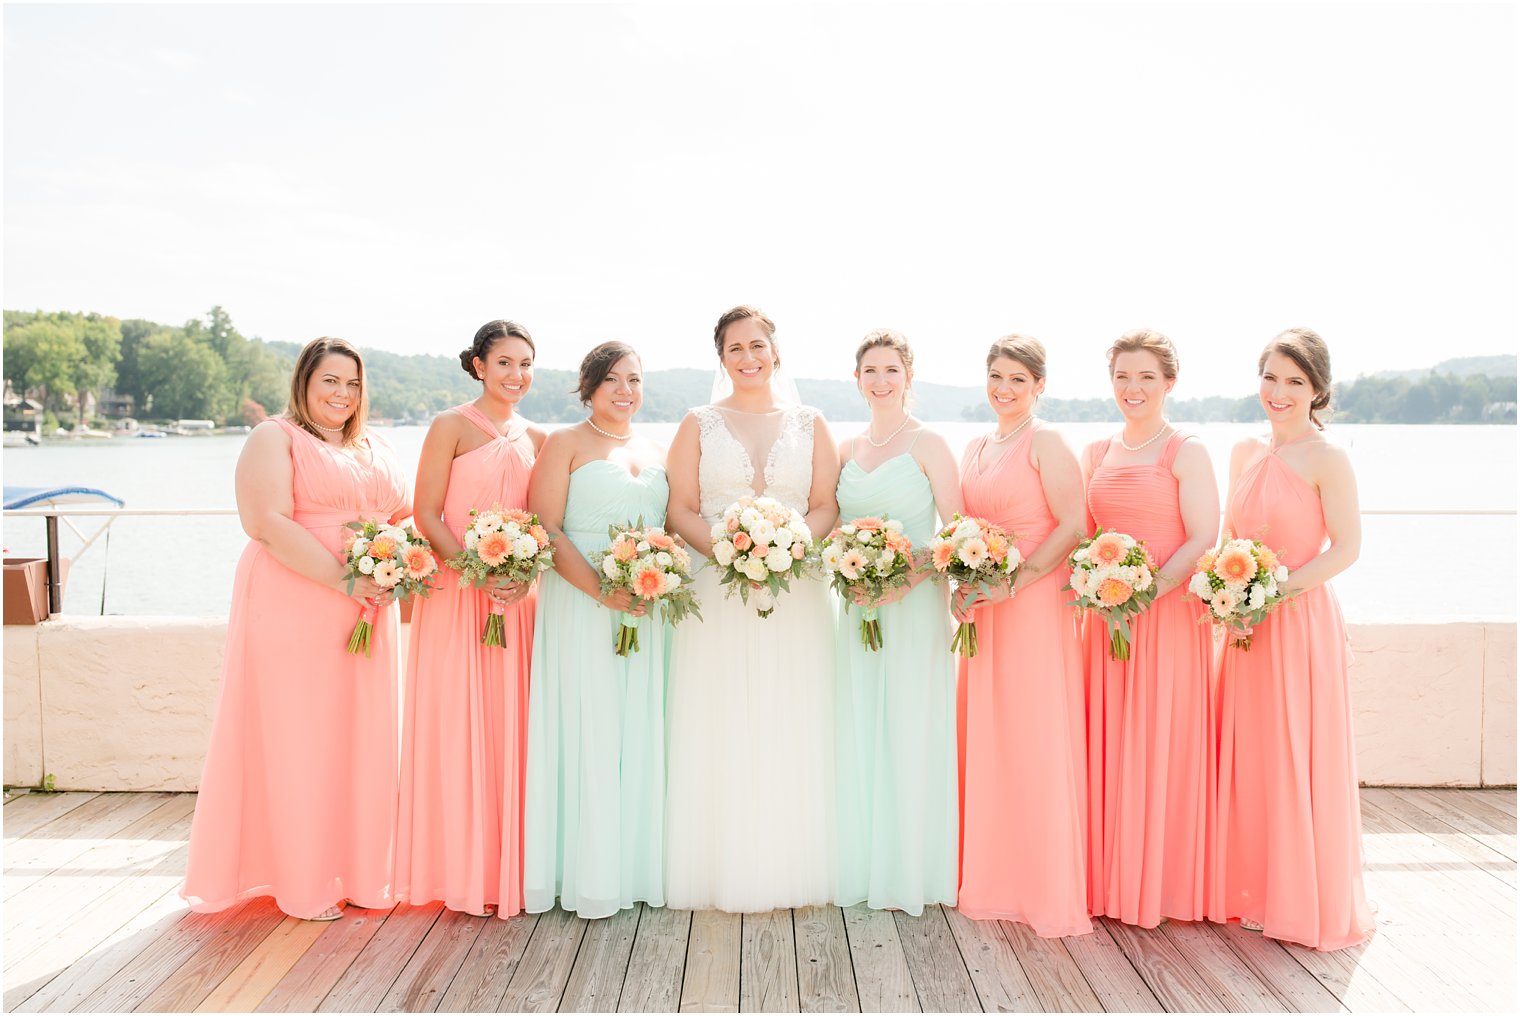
(207, 369)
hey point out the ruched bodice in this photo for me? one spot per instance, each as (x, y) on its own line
(897, 488)
(331, 488)
(726, 473)
(1008, 493)
(603, 493)
(1141, 500)
(495, 473)
(1275, 505)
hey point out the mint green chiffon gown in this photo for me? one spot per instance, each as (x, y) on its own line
(895, 763)
(595, 810)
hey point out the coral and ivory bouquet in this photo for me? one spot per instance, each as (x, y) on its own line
(1241, 583)
(395, 557)
(973, 552)
(650, 564)
(761, 545)
(1114, 577)
(501, 544)
(868, 554)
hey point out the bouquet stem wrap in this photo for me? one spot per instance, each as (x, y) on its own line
(1118, 645)
(628, 634)
(870, 629)
(364, 628)
(495, 625)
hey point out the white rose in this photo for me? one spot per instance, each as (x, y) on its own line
(1199, 586)
(749, 516)
(718, 531)
(662, 559)
(885, 561)
(1013, 560)
(762, 532)
(398, 535)
(1081, 554)
(524, 547)
(672, 582)
(471, 537)
(610, 567)
(784, 538)
(1281, 574)
(754, 569)
(966, 530)
(848, 529)
(779, 559)
(866, 536)
(642, 546)
(893, 525)
(366, 565)
(723, 553)
(512, 530)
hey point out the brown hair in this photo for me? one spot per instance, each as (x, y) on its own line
(1304, 347)
(306, 366)
(486, 337)
(1147, 340)
(597, 364)
(1026, 350)
(886, 338)
(739, 313)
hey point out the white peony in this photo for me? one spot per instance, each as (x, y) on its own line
(662, 559)
(718, 531)
(511, 530)
(893, 525)
(359, 546)
(1257, 598)
(524, 547)
(396, 535)
(967, 529)
(749, 516)
(762, 532)
(779, 560)
(784, 538)
(471, 537)
(366, 565)
(723, 553)
(1199, 586)
(610, 567)
(672, 582)
(754, 569)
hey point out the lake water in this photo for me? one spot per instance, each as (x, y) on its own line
(184, 565)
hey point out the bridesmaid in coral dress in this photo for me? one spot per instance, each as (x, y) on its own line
(1023, 775)
(463, 743)
(1288, 842)
(1150, 763)
(298, 797)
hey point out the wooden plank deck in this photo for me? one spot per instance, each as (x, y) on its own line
(93, 923)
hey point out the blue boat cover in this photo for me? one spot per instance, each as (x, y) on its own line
(27, 497)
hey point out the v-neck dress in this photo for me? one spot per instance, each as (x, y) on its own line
(298, 796)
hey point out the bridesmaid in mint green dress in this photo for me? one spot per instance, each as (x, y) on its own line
(898, 814)
(595, 816)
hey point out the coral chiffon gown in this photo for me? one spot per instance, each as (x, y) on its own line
(1023, 775)
(298, 796)
(459, 832)
(1288, 846)
(1150, 757)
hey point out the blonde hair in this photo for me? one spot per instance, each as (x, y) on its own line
(1147, 340)
(1304, 347)
(306, 366)
(1026, 350)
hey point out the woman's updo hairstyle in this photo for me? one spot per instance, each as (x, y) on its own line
(597, 364)
(739, 313)
(1149, 341)
(487, 337)
(1026, 350)
(1304, 347)
(886, 338)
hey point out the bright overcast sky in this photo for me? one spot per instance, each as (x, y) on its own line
(398, 175)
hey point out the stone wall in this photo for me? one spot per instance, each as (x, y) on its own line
(125, 703)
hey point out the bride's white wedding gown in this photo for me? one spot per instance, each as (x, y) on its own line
(750, 805)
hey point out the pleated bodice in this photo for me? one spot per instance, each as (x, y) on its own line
(496, 473)
(331, 488)
(1275, 505)
(1140, 500)
(897, 488)
(603, 493)
(1008, 493)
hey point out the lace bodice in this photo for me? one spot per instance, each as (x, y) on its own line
(726, 472)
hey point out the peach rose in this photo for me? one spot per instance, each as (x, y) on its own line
(742, 542)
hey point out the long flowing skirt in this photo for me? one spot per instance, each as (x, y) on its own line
(1150, 765)
(459, 836)
(298, 797)
(750, 804)
(896, 757)
(1288, 846)
(595, 823)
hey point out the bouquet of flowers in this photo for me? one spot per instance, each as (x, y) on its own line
(650, 564)
(870, 553)
(1240, 582)
(395, 557)
(1113, 576)
(501, 544)
(761, 545)
(974, 553)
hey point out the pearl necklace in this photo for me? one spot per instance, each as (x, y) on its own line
(331, 430)
(615, 437)
(1165, 426)
(995, 439)
(883, 442)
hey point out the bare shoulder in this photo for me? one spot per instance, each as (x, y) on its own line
(562, 441)
(267, 436)
(449, 423)
(1049, 439)
(1328, 460)
(1192, 453)
(538, 435)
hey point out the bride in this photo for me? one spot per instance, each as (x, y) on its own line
(751, 767)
